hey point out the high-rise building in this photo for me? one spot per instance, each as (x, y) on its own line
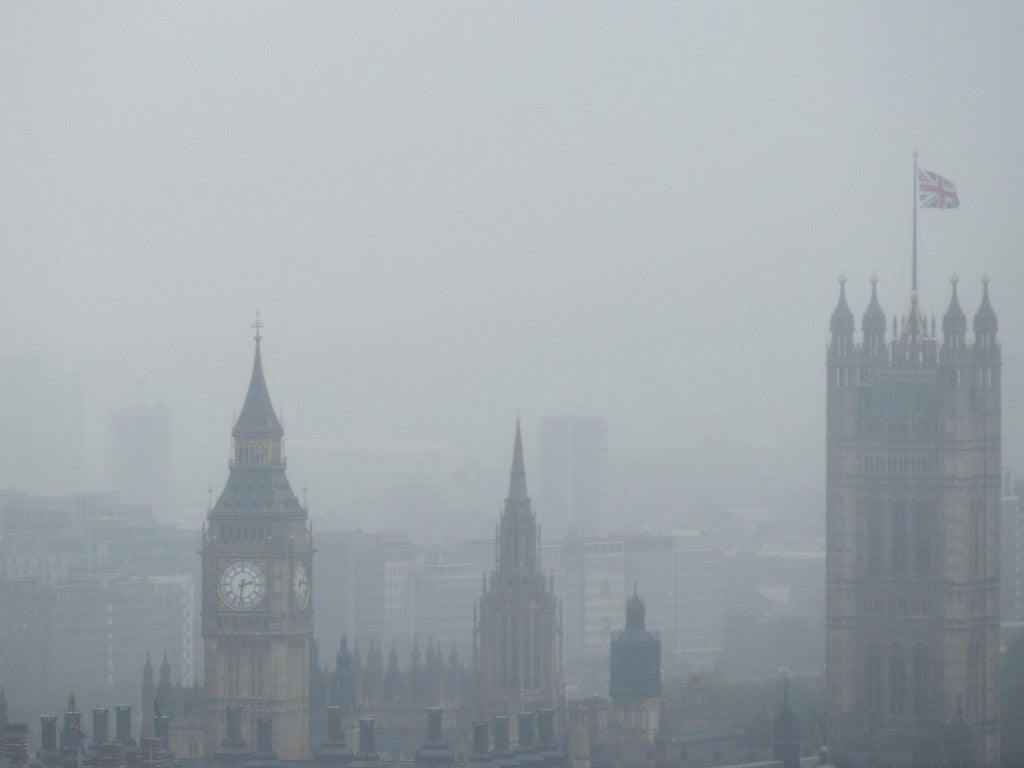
(574, 469)
(257, 560)
(137, 456)
(42, 443)
(912, 543)
(519, 631)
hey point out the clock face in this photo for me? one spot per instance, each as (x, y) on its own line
(242, 585)
(300, 585)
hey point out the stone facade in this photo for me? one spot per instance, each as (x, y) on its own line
(913, 495)
(518, 634)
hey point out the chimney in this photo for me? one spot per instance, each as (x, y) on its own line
(434, 724)
(123, 716)
(264, 739)
(366, 746)
(479, 737)
(334, 724)
(48, 733)
(501, 733)
(100, 718)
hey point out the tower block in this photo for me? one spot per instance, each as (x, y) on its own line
(257, 576)
(912, 495)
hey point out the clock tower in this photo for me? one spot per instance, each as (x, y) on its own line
(257, 561)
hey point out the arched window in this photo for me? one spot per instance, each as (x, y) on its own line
(874, 677)
(898, 541)
(897, 680)
(874, 547)
(920, 679)
(922, 541)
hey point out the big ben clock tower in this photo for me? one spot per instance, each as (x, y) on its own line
(257, 560)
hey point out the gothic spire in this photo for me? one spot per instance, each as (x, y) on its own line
(985, 318)
(954, 321)
(517, 481)
(842, 317)
(257, 417)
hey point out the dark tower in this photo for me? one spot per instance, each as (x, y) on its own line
(257, 579)
(913, 490)
(518, 631)
(635, 679)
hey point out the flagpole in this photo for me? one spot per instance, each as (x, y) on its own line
(914, 285)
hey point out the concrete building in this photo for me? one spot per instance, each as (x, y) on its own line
(137, 456)
(912, 542)
(42, 443)
(574, 475)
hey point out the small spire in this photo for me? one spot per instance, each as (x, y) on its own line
(257, 415)
(517, 481)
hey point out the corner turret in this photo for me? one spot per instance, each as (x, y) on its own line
(842, 322)
(954, 324)
(985, 324)
(873, 324)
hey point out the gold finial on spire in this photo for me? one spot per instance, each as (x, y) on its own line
(842, 279)
(258, 326)
(954, 280)
(874, 278)
(984, 280)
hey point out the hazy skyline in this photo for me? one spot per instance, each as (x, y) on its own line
(448, 211)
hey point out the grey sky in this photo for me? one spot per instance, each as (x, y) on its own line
(446, 211)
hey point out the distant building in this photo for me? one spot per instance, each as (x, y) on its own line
(912, 548)
(1011, 533)
(88, 633)
(574, 475)
(42, 443)
(137, 456)
(682, 577)
(518, 634)
(384, 485)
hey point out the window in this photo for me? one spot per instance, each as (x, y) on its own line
(899, 541)
(897, 680)
(873, 543)
(874, 677)
(920, 679)
(922, 541)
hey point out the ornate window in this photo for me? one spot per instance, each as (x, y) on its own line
(920, 679)
(897, 680)
(874, 677)
(898, 541)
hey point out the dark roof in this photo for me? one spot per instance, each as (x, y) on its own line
(257, 418)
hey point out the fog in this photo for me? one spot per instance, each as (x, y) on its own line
(446, 212)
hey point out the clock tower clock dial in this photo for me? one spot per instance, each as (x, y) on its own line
(300, 585)
(257, 560)
(242, 585)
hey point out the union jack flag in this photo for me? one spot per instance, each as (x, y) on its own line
(935, 191)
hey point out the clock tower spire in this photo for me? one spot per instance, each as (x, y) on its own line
(257, 561)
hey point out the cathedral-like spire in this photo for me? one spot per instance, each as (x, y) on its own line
(953, 322)
(874, 317)
(517, 481)
(985, 317)
(257, 417)
(842, 317)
